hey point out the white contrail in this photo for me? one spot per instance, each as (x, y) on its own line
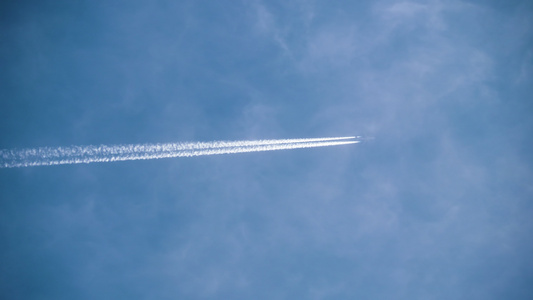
(103, 150)
(48, 152)
(88, 154)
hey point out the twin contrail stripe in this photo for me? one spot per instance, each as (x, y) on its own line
(47, 156)
(47, 152)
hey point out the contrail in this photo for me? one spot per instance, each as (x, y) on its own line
(47, 156)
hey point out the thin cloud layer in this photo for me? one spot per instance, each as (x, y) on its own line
(436, 206)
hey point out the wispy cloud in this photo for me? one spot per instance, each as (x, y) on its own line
(267, 24)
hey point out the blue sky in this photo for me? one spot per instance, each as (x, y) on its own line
(438, 206)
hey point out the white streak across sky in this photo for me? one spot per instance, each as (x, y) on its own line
(48, 156)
